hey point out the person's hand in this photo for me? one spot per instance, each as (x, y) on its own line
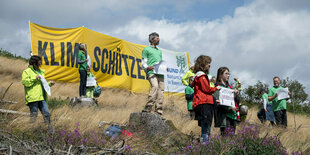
(234, 109)
(218, 102)
(266, 110)
(38, 77)
(150, 68)
(218, 87)
(52, 83)
(85, 60)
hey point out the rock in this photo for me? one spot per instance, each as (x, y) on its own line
(83, 101)
(163, 135)
(151, 123)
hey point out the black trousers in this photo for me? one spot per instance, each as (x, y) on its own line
(83, 78)
(281, 118)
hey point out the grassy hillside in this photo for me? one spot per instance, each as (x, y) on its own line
(115, 105)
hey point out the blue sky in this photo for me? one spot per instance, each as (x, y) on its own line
(256, 39)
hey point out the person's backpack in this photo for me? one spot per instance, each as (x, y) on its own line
(113, 131)
(97, 91)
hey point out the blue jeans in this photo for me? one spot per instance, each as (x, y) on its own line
(205, 131)
(42, 105)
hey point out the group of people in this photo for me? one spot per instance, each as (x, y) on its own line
(273, 110)
(202, 91)
(35, 93)
(202, 95)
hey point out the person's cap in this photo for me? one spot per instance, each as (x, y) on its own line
(262, 90)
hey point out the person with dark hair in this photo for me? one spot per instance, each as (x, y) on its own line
(203, 100)
(82, 61)
(278, 106)
(151, 56)
(225, 117)
(266, 113)
(35, 94)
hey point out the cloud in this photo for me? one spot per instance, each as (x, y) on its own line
(258, 41)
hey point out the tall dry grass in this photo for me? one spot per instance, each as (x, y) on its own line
(115, 105)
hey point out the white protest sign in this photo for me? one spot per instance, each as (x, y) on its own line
(91, 81)
(283, 94)
(226, 97)
(160, 68)
(46, 87)
(177, 65)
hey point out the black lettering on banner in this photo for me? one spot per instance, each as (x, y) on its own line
(76, 54)
(111, 62)
(118, 70)
(42, 52)
(125, 63)
(62, 59)
(96, 66)
(53, 63)
(72, 56)
(132, 66)
(139, 69)
(104, 52)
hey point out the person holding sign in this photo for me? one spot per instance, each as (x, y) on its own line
(82, 61)
(203, 104)
(35, 94)
(278, 105)
(266, 113)
(152, 56)
(226, 114)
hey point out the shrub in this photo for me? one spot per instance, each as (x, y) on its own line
(55, 103)
(245, 141)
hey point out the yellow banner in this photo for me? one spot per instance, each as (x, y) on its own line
(115, 63)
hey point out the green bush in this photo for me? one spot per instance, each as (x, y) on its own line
(55, 103)
(7, 54)
(245, 141)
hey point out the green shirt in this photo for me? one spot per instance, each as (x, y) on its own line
(277, 105)
(265, 96)
(82, 57)
(189, 90)
(153, 56)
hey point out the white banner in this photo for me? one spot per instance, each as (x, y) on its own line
(176, 65)
(227, 97)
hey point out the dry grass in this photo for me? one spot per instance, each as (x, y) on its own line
(115, 105)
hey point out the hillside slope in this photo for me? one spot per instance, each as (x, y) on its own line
(115, 105)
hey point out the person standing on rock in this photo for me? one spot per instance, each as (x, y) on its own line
(203, 103)
(151, 56)
(35, 94)
(82, 61)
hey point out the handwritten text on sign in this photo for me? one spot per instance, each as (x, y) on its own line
(227, 97)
